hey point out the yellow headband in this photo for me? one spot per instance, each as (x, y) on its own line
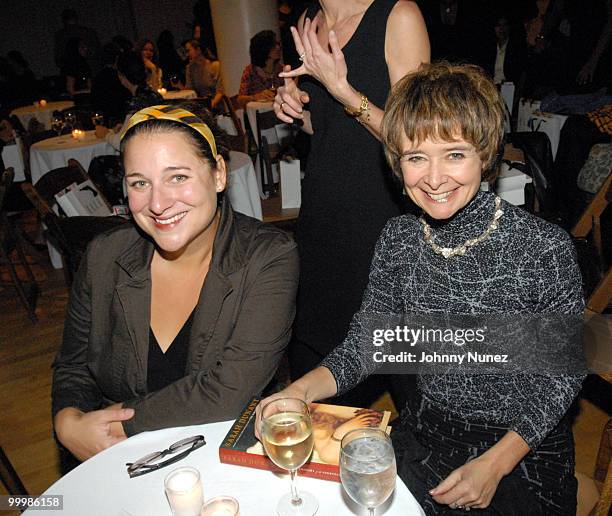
(175, 114)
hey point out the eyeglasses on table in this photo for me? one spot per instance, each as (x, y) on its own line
(152, 462)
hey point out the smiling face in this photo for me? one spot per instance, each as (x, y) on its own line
(172, 191)
(440, 177)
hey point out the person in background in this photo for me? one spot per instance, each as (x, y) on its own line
(124, 43)
(479, 439)
(260, 78)
(146, 48)
(202, 74)
(107, 93)
(169, 59)
(341, 92)
(507, 52)
(182, 316)
(133, 76)
(71, 29)
(76, 69)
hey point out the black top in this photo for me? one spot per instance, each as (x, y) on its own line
(347, 194)
(166, 368)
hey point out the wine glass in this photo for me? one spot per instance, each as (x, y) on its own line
(367, 467)
(97, 118)
(287, 437)
(57, 124)
(70, 119)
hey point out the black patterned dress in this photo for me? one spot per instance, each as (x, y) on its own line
(526, 266)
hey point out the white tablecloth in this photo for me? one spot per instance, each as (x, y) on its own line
(180, 94)
(42, 114)
(101, 485)
(55, 152)
(12, 156)
(242, 187)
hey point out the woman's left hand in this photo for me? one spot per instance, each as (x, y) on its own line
(473, 485)
(329, 68)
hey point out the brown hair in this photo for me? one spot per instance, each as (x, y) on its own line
(444, 101)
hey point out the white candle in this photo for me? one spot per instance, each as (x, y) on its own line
(75, 133)
(162, 91)
(43, 103)
(221, 506)
(184, 491)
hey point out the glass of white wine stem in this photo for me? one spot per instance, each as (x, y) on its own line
(97, 118)
(57, 124)
(286, 431)
(367, 467)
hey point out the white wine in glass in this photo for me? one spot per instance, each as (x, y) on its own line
(367, 467)
(97, 118)
(286, 431)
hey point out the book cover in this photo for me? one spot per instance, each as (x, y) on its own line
(329, 423)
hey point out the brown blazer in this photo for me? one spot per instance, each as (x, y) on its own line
(241, 326)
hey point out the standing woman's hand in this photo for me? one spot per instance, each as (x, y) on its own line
(289, 101)
(328, 67)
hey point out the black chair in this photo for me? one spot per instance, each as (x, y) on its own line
(12, 240)
(107, 174)
(70, 235)
(539, 161)
(239, 141)
(57, 180)
(9, 477)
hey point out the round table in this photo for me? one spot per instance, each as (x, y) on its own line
(101, 485)
(55, 152)
(242, 188)
(42, 114)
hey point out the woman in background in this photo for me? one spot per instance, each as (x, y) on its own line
(202, 74)
(260, 78)
(146, 48)
(76, 69)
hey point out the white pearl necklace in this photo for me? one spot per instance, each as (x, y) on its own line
(449, 252)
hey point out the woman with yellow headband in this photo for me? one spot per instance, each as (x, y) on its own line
(181, 317)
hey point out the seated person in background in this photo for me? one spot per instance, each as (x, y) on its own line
(169, 59)
(132, 75)
(181, 317)
(76, 69)
(202, 74)
(146, 48)
(260, 78)
(506, 52)
(475, 440)
(107, 93)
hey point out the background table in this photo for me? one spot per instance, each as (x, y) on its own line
(180, 94)
(101, 485)
(242, 188)
(12, 155)
(55, 152)
(42, 114)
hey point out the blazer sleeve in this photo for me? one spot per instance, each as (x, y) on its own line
(73, 385)
(248, 361)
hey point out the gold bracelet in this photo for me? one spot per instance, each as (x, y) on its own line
(363, 107)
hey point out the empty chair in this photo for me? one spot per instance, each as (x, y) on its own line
(237, 141)
(11, 240)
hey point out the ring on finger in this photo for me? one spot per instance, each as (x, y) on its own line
(466, 509)
(282, 104)
(301, 56)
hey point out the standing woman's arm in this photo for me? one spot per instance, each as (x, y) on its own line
(406, 47)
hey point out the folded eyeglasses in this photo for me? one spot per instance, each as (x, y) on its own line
(153, 462)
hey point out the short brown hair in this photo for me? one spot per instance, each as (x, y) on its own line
(443, 101)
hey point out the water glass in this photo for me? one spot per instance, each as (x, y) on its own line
(70, 118)
(367, 467)
(183, 488)
(57, 124)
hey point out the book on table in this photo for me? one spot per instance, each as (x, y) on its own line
(329, 424)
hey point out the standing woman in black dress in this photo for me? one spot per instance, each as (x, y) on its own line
(352, 52)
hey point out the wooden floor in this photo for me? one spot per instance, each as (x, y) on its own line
(27, 351)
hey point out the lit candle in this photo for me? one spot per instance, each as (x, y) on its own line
(43, 103)
(162, 91)
(75, 133)
(184, 491)
(221, 506)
